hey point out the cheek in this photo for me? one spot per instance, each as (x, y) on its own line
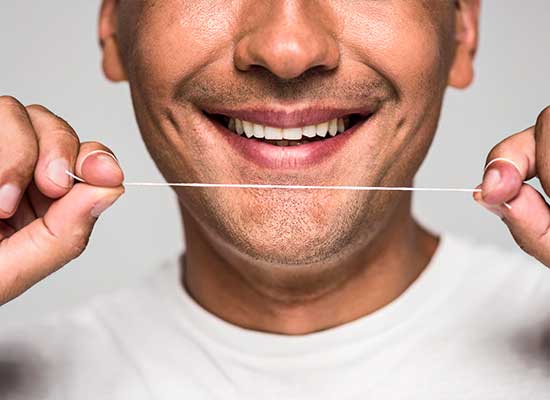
(175, 39)
(171, 41)
(410, 47)
(404, 44)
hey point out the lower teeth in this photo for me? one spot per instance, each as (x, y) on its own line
(289, 143)
(284, 143)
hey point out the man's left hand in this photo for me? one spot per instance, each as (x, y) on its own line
(523, 209)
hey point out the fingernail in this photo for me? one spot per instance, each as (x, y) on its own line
(506, 160)
(102, 206)
(491, 180)
(110, 160)
(105, 157)
(9, 197)
(56, 172)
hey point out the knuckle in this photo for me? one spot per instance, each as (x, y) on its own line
(9, 102)
(39, 242)
(69, 247)
(10, 108)
(63, 130)
(21, 164)
(79, 243)
(497, 151)
(509, 148)
(544, 117)
(524, 247)
(37, 108)
(56, 125)
(93, 145)
(73, 139)
(521, 242)
(75, 244)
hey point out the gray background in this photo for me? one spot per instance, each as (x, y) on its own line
(49, 55)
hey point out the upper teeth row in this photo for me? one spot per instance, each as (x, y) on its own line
(332, 128)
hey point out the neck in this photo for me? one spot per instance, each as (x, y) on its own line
(356, 287)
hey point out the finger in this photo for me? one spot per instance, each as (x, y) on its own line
(18, 154)
(5, 231)
(528, 218)
(98, 166)
(39, 202)
(542, 138)
(509, 164)
(24, 214)
(58, 147)
(50, 242)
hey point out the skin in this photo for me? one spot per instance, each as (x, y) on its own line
(285, 262)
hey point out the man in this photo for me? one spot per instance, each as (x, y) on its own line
(281, 294)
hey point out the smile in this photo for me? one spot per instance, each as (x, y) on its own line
(282, 140)
(289, 136)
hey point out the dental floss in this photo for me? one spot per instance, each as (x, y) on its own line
(288, 187)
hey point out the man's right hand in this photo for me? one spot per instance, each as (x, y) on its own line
(46, 220)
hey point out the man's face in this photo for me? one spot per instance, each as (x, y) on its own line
(380, 68)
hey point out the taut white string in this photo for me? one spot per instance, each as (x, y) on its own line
(288, 187)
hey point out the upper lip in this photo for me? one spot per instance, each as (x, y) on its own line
(281, 118)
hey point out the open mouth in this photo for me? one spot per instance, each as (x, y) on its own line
(287, 137)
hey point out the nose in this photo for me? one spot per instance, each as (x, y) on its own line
(287, 38)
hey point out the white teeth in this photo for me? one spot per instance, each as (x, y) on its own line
(248, 129)
(239, 126)
(273, 133)
(292, 133)
(322, 129)
(310, 131)
(332, 127)
(341, 125)
(258, 131)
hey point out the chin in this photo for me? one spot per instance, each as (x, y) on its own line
(294, 231)
(319, 248)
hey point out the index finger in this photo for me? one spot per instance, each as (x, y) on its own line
(58, 147)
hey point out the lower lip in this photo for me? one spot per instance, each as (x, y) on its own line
(269, 156)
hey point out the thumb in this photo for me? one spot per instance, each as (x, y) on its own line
(50, 242)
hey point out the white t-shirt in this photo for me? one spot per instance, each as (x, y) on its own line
(475, 325)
